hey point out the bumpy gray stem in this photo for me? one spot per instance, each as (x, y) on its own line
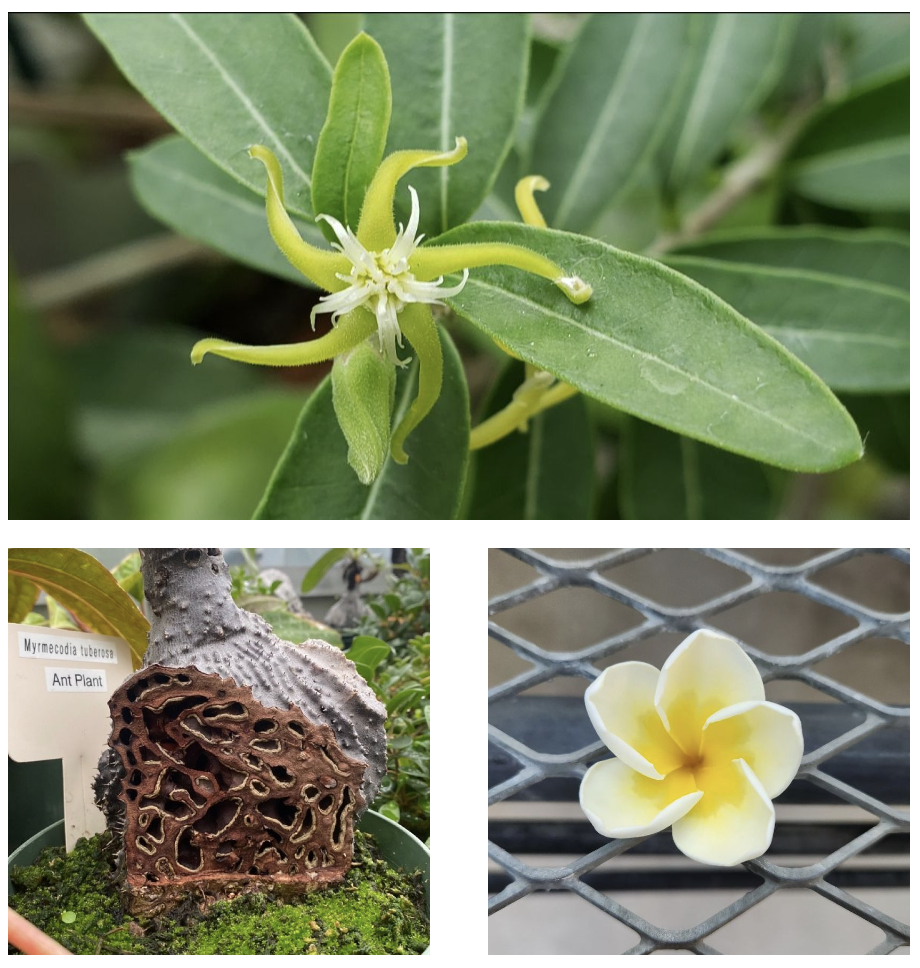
(196, 622)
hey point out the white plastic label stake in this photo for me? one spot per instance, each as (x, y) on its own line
(59, 709)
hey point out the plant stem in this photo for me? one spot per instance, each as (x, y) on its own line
(742, 178)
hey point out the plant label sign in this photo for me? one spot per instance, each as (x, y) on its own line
(60, 683)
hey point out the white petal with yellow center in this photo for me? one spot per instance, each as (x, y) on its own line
(766, 736)
(732, 823)
(705, 673)
(620, 704)
(620, 802)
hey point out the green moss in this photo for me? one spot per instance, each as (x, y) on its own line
(376, 910)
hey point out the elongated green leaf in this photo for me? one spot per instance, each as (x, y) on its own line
(657, 345)
(213, 466)
(296, 628)
(881, 45)
(611, 104)
(665, 476)
(86, 589)
(22, 595)
(738, 58)
(313, 479)
(353, 138)
(855, 335)
(874, 255)
(884, 422)
(59, 617)
(545, 473)
(179, 186)
(319, 568)
(453, 75)
(856, 154)
(227, 81)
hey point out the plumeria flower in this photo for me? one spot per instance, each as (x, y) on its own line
(381, 281)
(697, 749)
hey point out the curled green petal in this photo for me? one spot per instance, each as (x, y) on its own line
(377, 229)
(526, 203)
(318, 265)
(419, 327)
(431, 261)
(351, 330)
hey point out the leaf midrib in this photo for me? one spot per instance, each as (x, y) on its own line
(253, 111)
(693, 378)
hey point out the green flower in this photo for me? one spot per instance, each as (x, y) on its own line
(381, 281)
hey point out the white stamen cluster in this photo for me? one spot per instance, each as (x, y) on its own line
(382, 281)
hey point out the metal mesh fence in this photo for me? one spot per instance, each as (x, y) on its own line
(533, 767)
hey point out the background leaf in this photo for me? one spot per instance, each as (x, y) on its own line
(884, 422)
(611, 101)
(367, 652)
(353, 138)
(313, 479)
(880, 44)
(875, 255)
(227, 82)
(319, 568)
(297, 629)
(737, 60)
(545, 473)
(22, 595)
(453, 75)
(86, 589)
(665, 476)
(214, 466)
(657, 345)
(182, 188)
(856, 153)
(855, 335)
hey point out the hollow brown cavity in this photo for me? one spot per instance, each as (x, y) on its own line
(222, 793)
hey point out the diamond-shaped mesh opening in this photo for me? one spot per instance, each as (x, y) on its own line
(507, 573)
(796, 923)
(783, 623)
(875, 765)
(689, 578)
(827, 810)
(889, 590)
(569, 619)
(878, 667)
(547, 924)
(504, 663)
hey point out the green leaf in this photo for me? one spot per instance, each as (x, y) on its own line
(213, 466)
(297, 629)
(179, 186)
(313, 479)
(663, 476)
(884, 422)
(545, 473)
(363, 394)
(659, 346)
(856, 153)
(22, 595)
(404, 699)
(390, 810)
(611, 102)
(68, 917)
(353, 138)
(227, 81)
(453, 75)
(737, 60)
(45, 479)
(319, 568)
(59, 617)
(128, 575)
(874, 255)
(881, 45)
(367, 652)
(86, 589)
(855, 335)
